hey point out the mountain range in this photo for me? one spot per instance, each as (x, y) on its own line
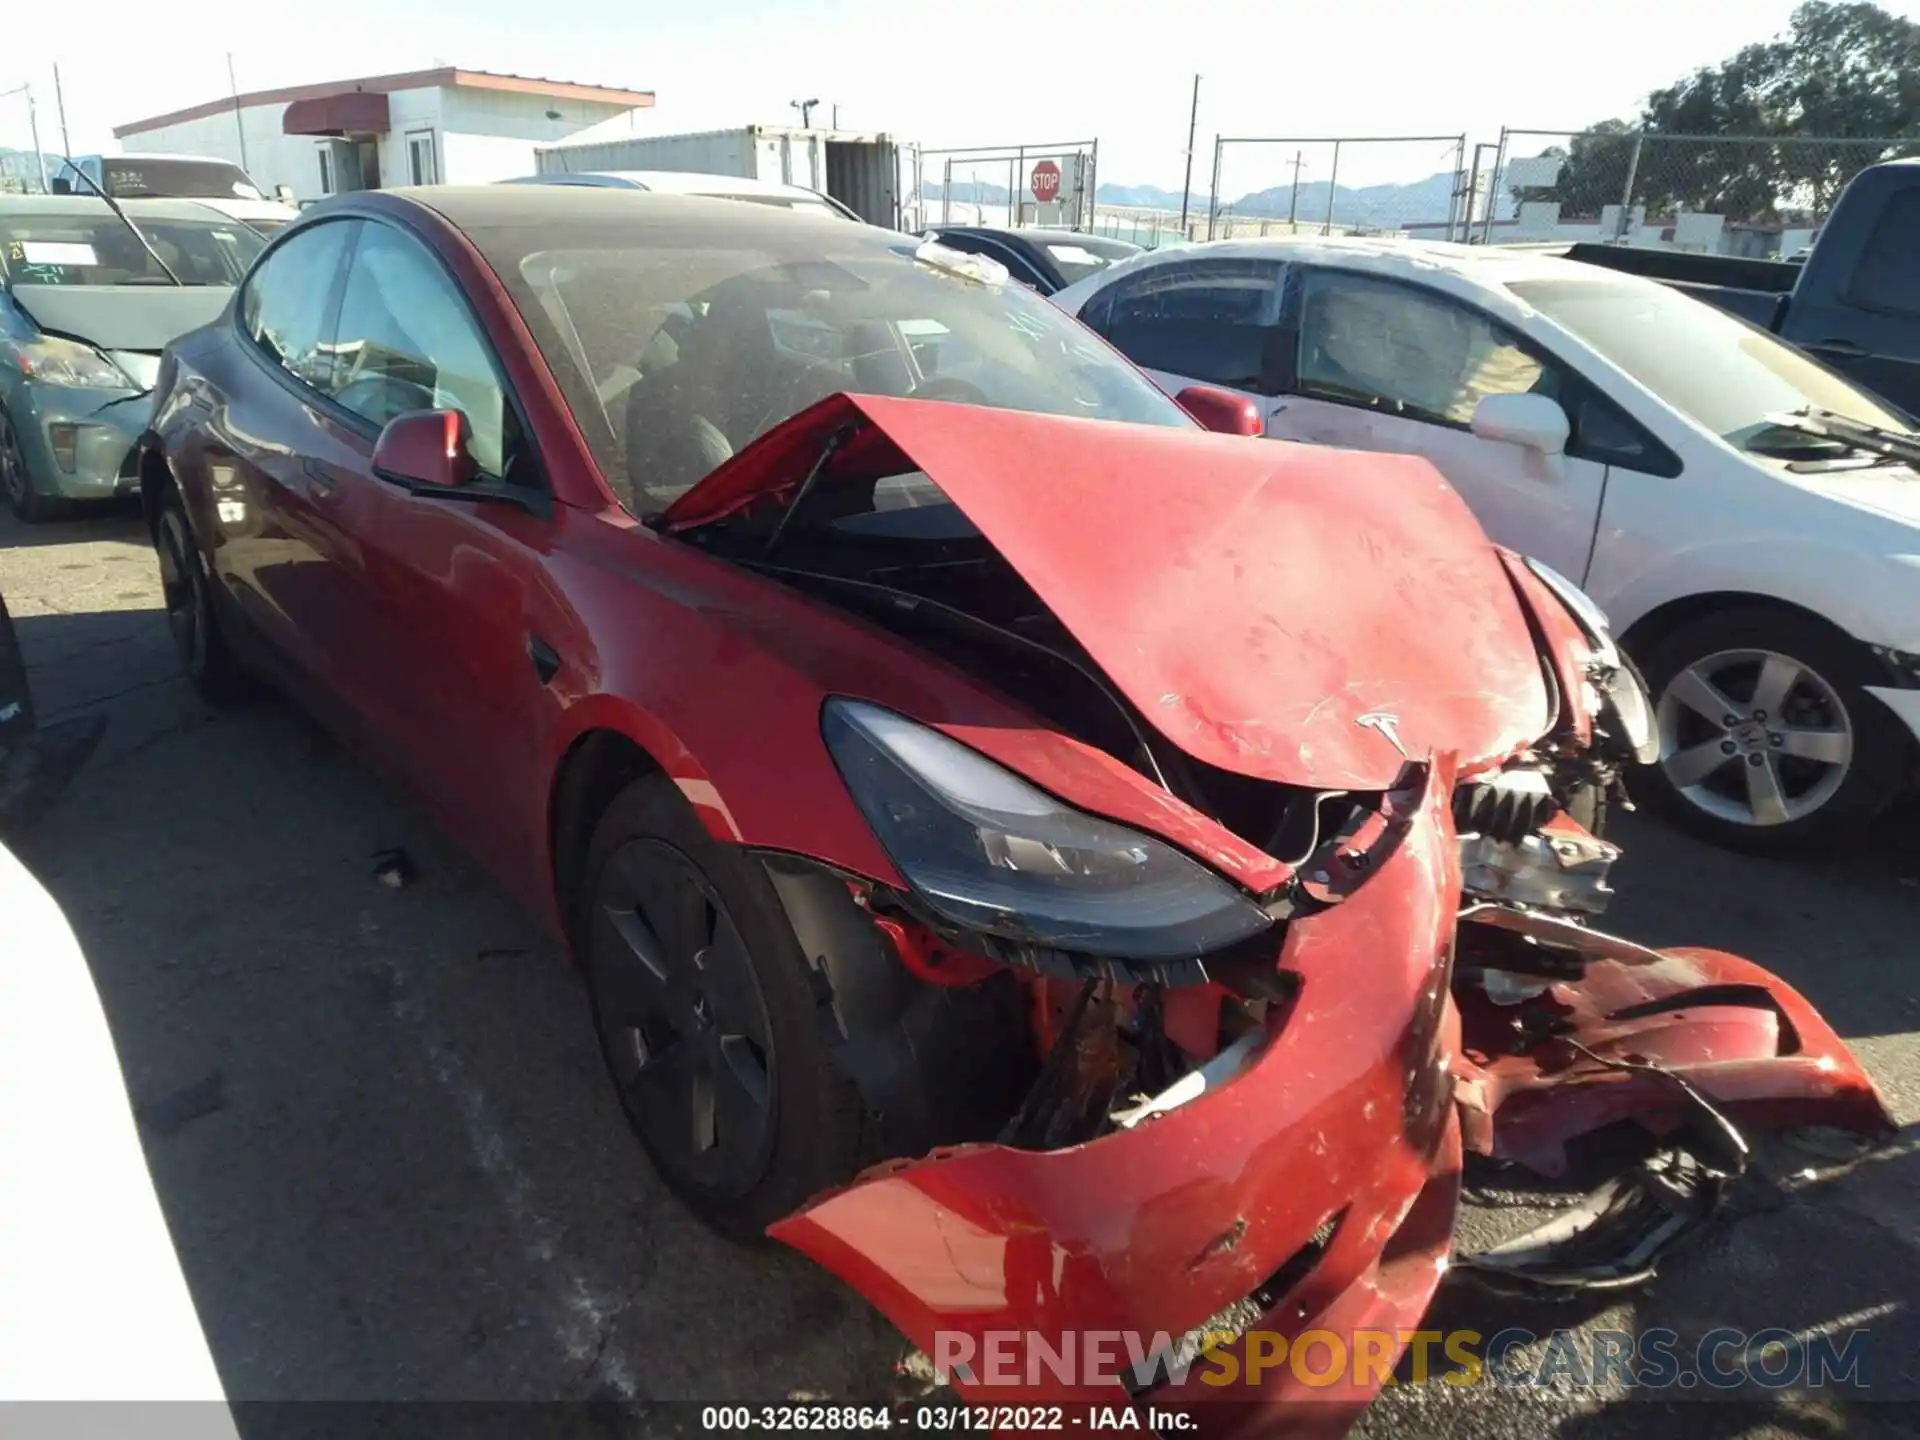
(1377, 206)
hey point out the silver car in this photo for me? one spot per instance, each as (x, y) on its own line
(85, 310)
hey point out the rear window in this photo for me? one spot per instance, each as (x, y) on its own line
(184, 179)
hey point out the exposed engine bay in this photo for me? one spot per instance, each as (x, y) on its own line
(964, 1036)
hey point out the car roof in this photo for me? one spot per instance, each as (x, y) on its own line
(1461, 268)
(80, 207)
(488, 211)
(685, 182)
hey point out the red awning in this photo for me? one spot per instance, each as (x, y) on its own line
(351, 112)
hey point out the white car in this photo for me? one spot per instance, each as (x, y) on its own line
(219, 184)
(93, 1303)
(1748, 519)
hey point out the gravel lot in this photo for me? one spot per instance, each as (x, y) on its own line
(393, 1168)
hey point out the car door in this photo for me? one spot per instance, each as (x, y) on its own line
(1201, 320)
(470, 631)
(283, 538)
(1383, 364)
(1871, 330)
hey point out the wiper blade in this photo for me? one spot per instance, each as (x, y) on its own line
(1855, 434)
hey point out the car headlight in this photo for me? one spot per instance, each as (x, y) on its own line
(67, 362)
(986, 850)
(1623, 694)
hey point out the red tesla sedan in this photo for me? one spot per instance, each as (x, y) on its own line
(1071, 873)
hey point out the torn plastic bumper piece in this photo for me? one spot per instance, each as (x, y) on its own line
(1591, 1052)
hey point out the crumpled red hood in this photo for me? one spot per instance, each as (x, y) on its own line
(1258, 601)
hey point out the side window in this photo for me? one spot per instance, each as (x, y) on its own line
(1212, 320)
(1886, 278)
(286, 305)
(1408, 351)
(405, 341)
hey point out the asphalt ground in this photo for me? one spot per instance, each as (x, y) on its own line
(394, 1170)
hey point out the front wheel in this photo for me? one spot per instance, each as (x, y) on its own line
(187, 595)
(706, 1019)
(16, 482)
(1768, 739)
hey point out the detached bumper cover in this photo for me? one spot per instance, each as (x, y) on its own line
(1338, 1141)
(1532, 1077)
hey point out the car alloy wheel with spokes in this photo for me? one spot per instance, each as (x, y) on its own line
(1769, 739)
(682, 1021)
(1754, 737)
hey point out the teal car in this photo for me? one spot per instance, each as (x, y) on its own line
(85, 310)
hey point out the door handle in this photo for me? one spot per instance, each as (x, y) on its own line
(319, 480)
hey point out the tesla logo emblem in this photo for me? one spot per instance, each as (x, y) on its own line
(1387, 725)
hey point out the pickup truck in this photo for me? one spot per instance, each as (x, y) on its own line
(1854, 302)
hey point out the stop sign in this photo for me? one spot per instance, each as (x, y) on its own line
(1045, 181)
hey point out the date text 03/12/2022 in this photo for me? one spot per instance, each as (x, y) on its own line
(950, 1418)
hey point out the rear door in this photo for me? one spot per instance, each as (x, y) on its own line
(1382, 364)
(1202, 320)
(1870, 330)
(470, 632)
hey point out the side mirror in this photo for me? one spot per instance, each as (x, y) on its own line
(284, 194)
(425, 450)
(1221, 411)
(1533, 422)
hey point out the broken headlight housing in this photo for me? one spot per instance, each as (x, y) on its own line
(988, 851)
(1623, 694)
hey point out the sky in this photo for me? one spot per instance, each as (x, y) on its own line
(942, 72)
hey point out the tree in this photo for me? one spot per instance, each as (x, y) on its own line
(1845, 70)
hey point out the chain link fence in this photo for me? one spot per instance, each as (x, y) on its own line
(1039, 184)
(1759, 196)
(1347, 185)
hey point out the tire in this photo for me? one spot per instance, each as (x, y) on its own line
(187, 592)
(1810, 771)
(706, 1018)
(16, 482)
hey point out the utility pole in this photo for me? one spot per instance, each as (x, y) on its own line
(33, 127)
(239, 123)
(836, 117)
(805, 107)
(60, 103)
(1193, 122)
(1293, 205)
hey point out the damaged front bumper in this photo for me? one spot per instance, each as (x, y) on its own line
(76, 440)
(1177, 1258)
(1318, 1187)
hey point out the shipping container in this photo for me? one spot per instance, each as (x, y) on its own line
(861, 171)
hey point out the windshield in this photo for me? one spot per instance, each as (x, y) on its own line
(673, 359)
(134, 177)
(1078, 256)
(1720, 372)
(99, 250)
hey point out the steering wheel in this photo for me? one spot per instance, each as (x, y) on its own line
(949, 387)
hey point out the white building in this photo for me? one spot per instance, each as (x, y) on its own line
(461, 127)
